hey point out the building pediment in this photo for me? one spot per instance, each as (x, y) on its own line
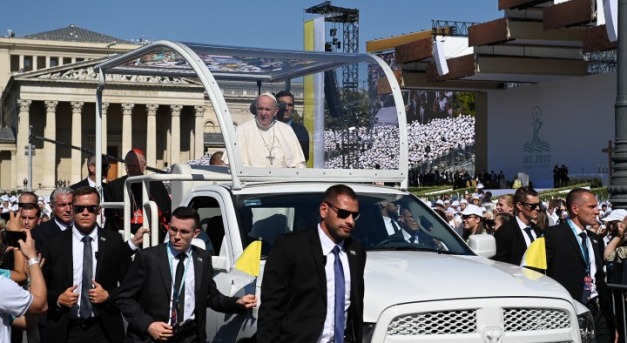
(84, 71)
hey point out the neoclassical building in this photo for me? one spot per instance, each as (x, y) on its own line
(49, 90)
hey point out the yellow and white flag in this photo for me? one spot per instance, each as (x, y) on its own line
(250, 259)
(535, 258)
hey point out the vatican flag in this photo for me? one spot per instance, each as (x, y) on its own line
(535, 255)
(250, 259)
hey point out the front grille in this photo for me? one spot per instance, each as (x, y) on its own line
(434, 323)
(534, 319)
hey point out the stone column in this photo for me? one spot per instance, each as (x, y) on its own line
(77, 133)
(175, 127)
(23, 123)
(151, 134)
(50, 149)
(127, 128)
(199, 133)
(105, 107)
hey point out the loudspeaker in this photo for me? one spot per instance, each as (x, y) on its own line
(610, 9)
(439, 57)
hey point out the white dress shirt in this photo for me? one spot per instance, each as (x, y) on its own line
(329, 322)
(522, 227)
(77, 263)
(190, 295)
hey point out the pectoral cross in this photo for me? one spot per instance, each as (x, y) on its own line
(270, 157)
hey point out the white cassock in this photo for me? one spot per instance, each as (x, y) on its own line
(276, 147)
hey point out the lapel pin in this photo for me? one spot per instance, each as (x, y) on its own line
(352, 252)
(102, 238)
(199, 259)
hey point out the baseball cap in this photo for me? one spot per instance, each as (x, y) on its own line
(472, 209)
(618, 214)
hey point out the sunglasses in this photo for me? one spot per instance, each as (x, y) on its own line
(81, 208)
(343, 214)
(531, 206)
(468, 216)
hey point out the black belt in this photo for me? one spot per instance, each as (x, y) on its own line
(84, 322)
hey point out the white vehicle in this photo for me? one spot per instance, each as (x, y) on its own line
(439, 292)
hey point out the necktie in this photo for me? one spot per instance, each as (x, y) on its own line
(584, 247)
(178, 279)
(340, 290)
(413, 239)
(394, 225)
(528, 231)
(85, 306)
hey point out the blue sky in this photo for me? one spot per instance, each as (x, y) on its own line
(271, 24)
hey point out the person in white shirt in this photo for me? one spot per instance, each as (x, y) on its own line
(15, 302)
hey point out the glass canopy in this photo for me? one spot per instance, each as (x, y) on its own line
(350, 104)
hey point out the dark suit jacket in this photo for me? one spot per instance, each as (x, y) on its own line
(510, 242)
(303, 137)
(113, 262)
(85, 183)
(144, 295)
(115, 192)
(566, 264)
(293, 291)
(43, 231)
(423, 238)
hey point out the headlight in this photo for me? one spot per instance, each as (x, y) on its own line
(586, 327)
(367, 331)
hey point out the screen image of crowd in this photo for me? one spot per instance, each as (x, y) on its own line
(378, 146)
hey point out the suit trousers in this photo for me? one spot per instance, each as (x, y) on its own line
(86, 331)
(602, 332)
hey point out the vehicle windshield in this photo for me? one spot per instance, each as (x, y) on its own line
(267, 216)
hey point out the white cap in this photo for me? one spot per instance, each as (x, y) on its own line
(463, 201)
(455, 203)
(475, 196)
(473, 209)
(439, 202)
(480, 185)
(618, 214)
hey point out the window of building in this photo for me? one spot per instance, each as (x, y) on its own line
(54, 61)
(67, 60)
(79, 59)
(28, 63)
(15, 63)
(41, 62)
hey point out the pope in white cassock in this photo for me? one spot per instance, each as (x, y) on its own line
(266, 142)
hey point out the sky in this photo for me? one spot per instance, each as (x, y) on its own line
(274, 24)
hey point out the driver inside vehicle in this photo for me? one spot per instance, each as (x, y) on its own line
(411, 231)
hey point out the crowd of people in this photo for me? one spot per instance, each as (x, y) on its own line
(597, 233)
(48, 304)
(379, 146)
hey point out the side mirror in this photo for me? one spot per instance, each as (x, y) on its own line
(483, 245)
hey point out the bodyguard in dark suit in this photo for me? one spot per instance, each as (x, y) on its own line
(135, 164)
(90, 180)
(301, 132)
(575, 260)
(61, 201)
(84, 265)
(296, 305)
(170, 283)
(513, 237)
